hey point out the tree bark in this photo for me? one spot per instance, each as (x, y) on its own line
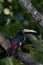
(3, 42)
(26, 59)
(32, 10)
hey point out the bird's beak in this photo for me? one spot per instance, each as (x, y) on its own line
(27, 31)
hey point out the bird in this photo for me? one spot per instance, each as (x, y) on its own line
(17, 40)
(19, 37)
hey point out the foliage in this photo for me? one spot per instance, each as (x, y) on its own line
(12, 18)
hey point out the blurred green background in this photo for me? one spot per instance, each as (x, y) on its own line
(12, 18)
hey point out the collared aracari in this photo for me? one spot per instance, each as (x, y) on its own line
(19, 37)
(15, 42)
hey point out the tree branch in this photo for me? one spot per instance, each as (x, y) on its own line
(32, 10)
(23, 58)
(3, 42)
(26, 59)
